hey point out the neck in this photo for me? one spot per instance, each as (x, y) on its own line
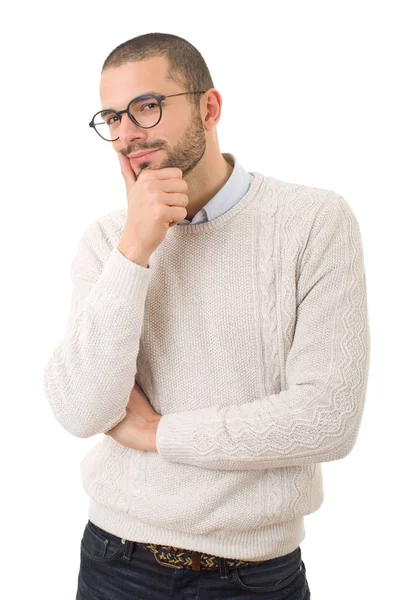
(206, 179)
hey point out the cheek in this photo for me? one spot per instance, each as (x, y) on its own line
(171, 132)
(117, 146)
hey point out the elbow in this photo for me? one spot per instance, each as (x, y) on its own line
(352, 423)
(340, 448)
(83, 423)
(348, 443)
(77, 408)
(338, 429)
(73, 424)
(82, 426)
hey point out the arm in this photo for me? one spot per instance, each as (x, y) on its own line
(91, 372)
(317, 418)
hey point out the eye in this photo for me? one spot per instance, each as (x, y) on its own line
(144, 104)
(150, 106)
(108, 117)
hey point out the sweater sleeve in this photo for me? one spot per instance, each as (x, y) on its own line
(317, 417)
(91, 372)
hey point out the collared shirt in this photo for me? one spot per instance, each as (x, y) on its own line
(230, 193)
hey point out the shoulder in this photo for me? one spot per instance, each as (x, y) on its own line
(297, 205)
(298, 197)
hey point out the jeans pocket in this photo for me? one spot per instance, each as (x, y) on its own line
(272, 576)
(100, 545)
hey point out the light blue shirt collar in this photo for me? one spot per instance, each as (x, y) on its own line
(230, 193)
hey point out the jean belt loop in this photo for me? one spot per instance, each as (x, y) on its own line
(129, 547)
(223, 567)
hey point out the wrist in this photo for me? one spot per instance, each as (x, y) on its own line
(134, 255)
(152, 434)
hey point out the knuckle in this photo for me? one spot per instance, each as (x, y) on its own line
(173, 172)
(160, 211)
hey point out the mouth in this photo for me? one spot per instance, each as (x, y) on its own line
(145, 156)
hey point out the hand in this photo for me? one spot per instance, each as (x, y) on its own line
(156, 201)
(138, 429)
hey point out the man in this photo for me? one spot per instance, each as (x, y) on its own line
(218, 336)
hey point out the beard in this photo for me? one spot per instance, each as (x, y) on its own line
(188, 151)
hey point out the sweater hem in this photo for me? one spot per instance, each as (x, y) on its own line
(265, 543)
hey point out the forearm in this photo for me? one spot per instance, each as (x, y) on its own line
(91, 372)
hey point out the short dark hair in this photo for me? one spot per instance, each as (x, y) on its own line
(186, 66)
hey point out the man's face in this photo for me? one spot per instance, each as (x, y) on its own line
(180, 134)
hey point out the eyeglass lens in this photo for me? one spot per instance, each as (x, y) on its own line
(144, 109)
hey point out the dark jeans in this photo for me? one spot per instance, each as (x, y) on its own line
(109, 571)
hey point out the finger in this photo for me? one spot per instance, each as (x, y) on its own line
(127, 172)
(168, 172)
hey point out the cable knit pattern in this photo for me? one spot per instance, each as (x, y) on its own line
(249, 334)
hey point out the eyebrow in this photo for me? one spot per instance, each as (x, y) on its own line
(147, 93)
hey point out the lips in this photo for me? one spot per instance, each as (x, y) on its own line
(147, 153)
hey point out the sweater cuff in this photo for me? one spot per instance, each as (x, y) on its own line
(123, 278)
(185, 436)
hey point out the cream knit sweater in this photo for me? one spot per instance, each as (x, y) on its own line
(249, 334)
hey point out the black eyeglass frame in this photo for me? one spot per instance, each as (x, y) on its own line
(158, 97)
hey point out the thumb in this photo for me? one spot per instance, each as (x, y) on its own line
(127, 172)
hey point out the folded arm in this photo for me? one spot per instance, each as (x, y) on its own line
(317, 418)
(91, 372)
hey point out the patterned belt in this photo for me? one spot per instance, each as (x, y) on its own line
(179, 558)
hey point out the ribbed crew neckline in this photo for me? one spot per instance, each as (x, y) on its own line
(217, 222)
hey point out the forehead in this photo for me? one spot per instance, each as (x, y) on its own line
(118, 85)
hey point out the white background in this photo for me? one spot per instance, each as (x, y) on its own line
(323, 112)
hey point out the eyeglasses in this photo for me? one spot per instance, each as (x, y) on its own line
(144, 110)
